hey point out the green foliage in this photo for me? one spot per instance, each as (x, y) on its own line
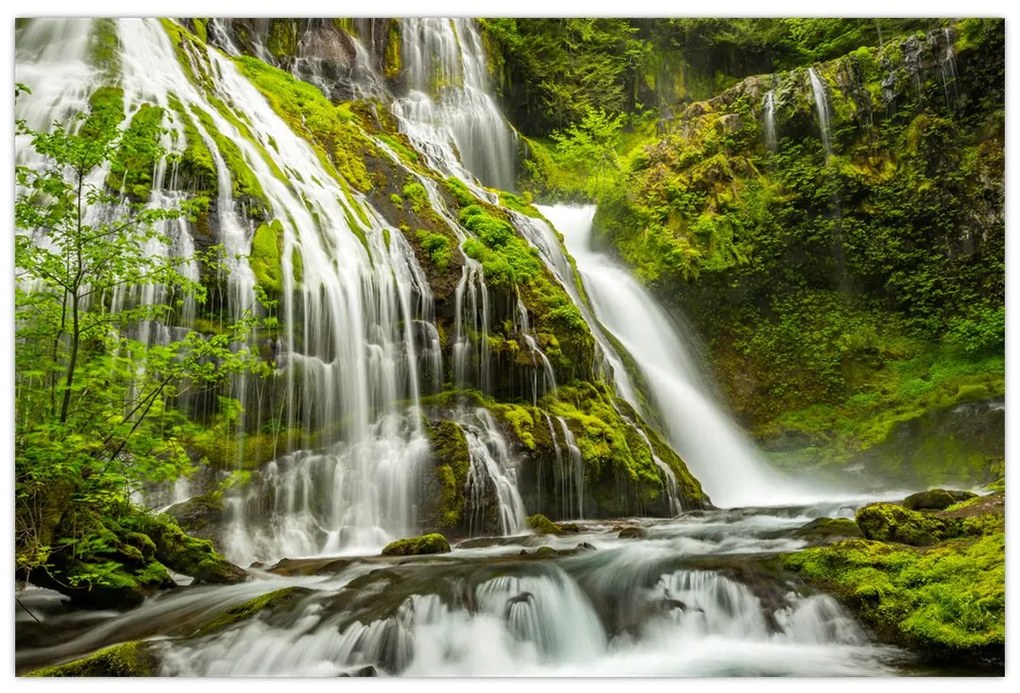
(591, 146)
(568, 66)
(437, 246)
(94, 416)
(416, 195)
(131, 166)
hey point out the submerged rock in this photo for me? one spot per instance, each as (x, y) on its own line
(418, 546)
(633, 533)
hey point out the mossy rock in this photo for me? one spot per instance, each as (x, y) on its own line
(186, 554)
(418, 546)
(252, 608)
(126, 659)
(890, 522)
(542, 524)
(936, 499)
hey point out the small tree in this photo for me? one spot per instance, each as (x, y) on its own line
(590, 146)
(94, 416)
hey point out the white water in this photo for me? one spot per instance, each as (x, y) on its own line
(628, 607)
(493, 468)
(770, 120)
(822, 109)
(721, 456)
(450, 98)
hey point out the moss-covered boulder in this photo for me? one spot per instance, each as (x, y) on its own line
(126, 659)
(186, 554)
(418, 546)
(541, 524)
(892, 522)
(936, 499)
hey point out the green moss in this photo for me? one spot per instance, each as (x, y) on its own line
(251, 609)
(196, 166)
(282, 39)
(416, 195)
(936, 499)
(245, 185)
(542, 524)
(266, 250)
(126, 659)
(106, 110)
(519, 203)
(406, 153)
(445, 509)
(892, 522)
(340, 144)
(417, 546)
(460, 192)
(392, 56)
(132, 165)
(520, 420)
(104, 46)
(948, 600)
(436, 246)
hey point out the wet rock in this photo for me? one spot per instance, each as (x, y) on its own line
(542, 524)
(569, 527)
(633, 533)
(584, 547)
(824, 529)
(418, 546)
(936, 499)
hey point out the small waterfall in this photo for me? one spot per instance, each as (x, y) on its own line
(769, 105)
(491, 477)
(572, 473)
(717, 452)
(822, 108)
(947, 68)
(522, 326)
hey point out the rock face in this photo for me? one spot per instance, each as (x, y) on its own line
(418, 546)
(633, 533)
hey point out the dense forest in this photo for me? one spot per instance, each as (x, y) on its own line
(587, 325)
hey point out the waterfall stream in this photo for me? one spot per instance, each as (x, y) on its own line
(822, 109)
(359, 349)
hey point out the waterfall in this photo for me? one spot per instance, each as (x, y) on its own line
(450, 101)
(947, 68)
(822, 107)
(769, 105)
(491, 476)
(717, 452)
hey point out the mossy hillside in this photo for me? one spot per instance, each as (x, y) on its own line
(947, 600)
(834, 282)
(125, 659)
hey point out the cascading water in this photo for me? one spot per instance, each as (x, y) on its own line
(769, 104)
(358, 345)
(718, 453)
(450, 98)
(822, 108)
